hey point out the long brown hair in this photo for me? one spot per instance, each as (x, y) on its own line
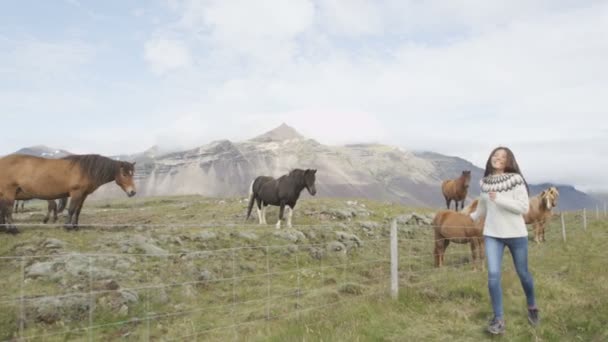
(511, 165)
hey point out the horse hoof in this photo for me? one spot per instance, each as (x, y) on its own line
(68, 227)
(12, 230)
(45, 220)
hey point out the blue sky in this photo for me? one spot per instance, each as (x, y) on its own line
(458, 78)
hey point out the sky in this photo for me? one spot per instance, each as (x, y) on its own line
(453, 77)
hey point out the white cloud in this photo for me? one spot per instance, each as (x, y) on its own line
(165, 55)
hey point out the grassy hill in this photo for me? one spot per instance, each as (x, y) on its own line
(191, 268)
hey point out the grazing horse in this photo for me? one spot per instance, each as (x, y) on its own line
(76, 176)
(282, 192)
(456, 189)
(458, 227)
(539, 211)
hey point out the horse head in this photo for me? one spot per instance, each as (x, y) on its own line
(309, 181)
(466, 175)
(124, 178)
(550, 197)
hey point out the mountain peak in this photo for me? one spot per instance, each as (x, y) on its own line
(43, 151)
(280, 133)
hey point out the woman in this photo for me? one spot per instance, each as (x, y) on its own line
(504, 201)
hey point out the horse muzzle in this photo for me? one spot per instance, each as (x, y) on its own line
(131, 193)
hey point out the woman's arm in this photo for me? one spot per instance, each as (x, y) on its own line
(481, 210)
(520, 202)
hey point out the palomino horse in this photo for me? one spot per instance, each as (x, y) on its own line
(540, 211)
(456, 189)
(282, 192)
(458, 227)
(76, 176)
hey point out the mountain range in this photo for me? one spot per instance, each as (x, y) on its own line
(225, 169)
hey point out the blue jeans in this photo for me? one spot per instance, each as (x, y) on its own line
(519, 250)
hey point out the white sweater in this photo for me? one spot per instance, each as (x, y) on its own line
(504, 215)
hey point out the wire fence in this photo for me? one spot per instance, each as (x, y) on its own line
(201, 288)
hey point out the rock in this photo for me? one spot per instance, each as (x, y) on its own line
(415, 219)
(51, 243)
(340, 214)
(44, 269)
(205, 236)
(247, 236)
(205, 276)
(290, 235)
(369, 225)
(336, 246)
(316, 253)
(124, 310)
(148, 247)
(349, 240)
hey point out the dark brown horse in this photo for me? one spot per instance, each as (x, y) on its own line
(76, 176)
(458, 227)
(282, 192)
(456, 189)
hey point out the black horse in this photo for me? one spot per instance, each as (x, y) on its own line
(281, 192)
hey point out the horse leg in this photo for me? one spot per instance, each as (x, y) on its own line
(49, 208)
(447, 202)
(264, 214)
(437, 250)
(474, 247)
(281, 212)
(258, 205)
(289, 216)
(537, 232)
(7, 214)
(77, 213)
(542, 231)
(54, 205)
(446, 242)
(75, 200)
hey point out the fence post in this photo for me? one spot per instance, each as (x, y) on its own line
(563, 227)
(585, 219)
(22, 300)
(597, 211)
(605, 209)
(394, 261)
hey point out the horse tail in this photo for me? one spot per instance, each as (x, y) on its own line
(251, 200)
(63, 202)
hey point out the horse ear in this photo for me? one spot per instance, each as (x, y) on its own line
(314, 171)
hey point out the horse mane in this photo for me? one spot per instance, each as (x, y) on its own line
(99, 169)
(296, 172)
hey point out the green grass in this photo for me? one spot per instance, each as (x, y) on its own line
(279, 290)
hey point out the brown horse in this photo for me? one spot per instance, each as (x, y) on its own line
(540, 211)
(75, 176)
(458, 227)
(456, 189)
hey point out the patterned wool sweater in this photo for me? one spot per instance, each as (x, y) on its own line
(504, 215)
